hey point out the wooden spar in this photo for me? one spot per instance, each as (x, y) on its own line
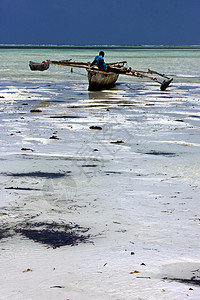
(154, 72)
(117, 67)
(163, 84)
(118, 63)
(135, 73)
(69, 63)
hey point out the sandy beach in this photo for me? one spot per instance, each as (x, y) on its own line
(100, 191)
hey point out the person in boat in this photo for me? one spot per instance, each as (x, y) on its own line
(99, 61)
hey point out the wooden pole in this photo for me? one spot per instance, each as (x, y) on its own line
(118, 68)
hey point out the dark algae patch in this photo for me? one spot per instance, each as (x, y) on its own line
(52, 238)
(170, 154)
(35, 110)
(66, 117)
(54, 137)
(54, 234)
(96, 127)
(117, 142)
(89, 166)
(21, 188)
(57, 287)
(193, 280)
(39, 174)
(27, 149)
(51, 234)
(5, 233)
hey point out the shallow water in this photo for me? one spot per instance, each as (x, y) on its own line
(134, 183)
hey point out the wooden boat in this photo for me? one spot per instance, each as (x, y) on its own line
(99, 80)
(38, 66)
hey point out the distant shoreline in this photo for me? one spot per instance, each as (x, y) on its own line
(115, 47)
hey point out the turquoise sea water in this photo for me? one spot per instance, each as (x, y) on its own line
(183, 64)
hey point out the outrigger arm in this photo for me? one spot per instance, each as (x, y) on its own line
(119, 68)
(143, 74)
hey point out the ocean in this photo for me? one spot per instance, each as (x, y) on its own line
(115, 173)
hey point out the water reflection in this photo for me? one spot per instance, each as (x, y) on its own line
(103, 94)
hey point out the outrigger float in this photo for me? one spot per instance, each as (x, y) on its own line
(99, 80)
(38, 66)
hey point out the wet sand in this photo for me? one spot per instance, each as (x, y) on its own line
(100, 192)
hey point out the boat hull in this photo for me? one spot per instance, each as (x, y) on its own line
(38, 66)
(99, 80)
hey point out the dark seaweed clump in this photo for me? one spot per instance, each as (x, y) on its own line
(21, 188)
(54, 234)
(169, 154)
(40, 174)
(4, 233)
(50, 234)
(193, 280)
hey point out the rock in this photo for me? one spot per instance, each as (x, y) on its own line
(54, 137)
(35, 110)
(96, 127)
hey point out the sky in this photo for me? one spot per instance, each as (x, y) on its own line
(100, 22)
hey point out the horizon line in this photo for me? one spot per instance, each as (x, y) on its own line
(12, 45)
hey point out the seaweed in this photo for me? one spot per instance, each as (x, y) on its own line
(192, 280)
(170, 154)
(51, 234)
(21, 188)
(39, 174)
(65, 117)
(96, 127)
(5, 233)
(54, 234)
